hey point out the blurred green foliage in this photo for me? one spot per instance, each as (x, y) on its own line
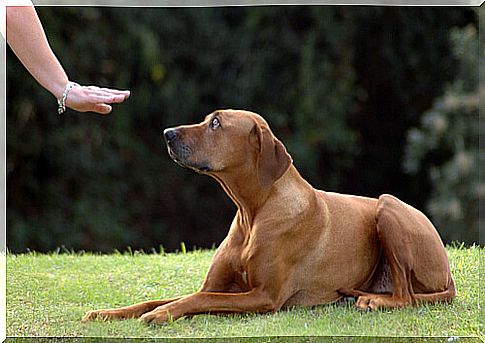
(446, 145)
(340, 86)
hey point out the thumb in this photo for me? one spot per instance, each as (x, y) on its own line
(102, 108)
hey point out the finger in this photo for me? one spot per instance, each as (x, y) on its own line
(117, 98)
(102, 109)
(107, 97)
(125, 93)
(108, 91)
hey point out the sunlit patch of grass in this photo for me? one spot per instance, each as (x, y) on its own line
(47, 295)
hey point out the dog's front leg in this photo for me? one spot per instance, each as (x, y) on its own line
(132, 311)
(254, 300)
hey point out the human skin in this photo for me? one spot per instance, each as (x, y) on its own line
(27, 39)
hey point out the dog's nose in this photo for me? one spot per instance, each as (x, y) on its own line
(170, 135)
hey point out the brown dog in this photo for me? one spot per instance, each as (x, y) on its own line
(290, 244)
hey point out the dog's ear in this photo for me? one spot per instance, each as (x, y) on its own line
(273, 159)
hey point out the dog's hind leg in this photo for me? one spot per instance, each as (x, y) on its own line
(416, 256)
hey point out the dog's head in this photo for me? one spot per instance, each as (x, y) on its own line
(229, 141)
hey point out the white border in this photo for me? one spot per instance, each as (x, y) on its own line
(139, 3)
(223, 3)
(3, 178)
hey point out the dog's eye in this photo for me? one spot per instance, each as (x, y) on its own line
(215, 123)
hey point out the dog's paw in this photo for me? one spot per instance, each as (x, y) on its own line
(157, 317)
(100, 315)
(362, 303)
(378, 302)
(90, 315)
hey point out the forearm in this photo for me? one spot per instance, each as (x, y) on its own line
(28, 41)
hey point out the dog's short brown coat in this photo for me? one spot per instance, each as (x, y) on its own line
(290, 244)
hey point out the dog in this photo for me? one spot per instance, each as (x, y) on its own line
(290, 244)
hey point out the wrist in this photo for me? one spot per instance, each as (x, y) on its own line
(62, 100)
(58, 87)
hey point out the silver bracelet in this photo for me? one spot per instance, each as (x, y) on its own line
(62, 101)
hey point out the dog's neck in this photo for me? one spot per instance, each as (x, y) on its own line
(250, 197)
(245, 191)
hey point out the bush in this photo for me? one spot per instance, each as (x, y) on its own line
(338, 85)
(446, 146)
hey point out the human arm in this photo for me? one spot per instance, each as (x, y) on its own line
(27, 39)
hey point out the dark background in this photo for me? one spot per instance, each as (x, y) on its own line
(368, 100)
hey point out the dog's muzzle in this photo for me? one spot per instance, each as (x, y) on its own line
(180, 152)
(170, 135)
(174, 149)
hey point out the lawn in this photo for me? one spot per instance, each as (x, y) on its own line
(47, 295)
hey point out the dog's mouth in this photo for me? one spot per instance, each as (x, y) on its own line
(183, 161)
(183, 153)
(174, 157)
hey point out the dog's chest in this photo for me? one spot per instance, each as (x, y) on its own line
(242, 277)
(234, 255)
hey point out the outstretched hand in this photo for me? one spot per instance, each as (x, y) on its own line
(94, 99)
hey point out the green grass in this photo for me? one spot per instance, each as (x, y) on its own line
(47, 294)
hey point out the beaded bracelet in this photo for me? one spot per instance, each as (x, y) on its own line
(62, 101)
